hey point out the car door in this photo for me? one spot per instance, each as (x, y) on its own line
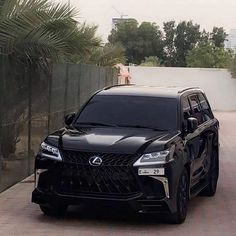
(208, 134)
(196, 141)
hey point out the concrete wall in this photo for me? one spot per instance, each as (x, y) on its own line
(217, 83)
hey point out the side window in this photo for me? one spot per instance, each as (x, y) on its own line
(186, 112)
(196, 111)
(207, 114)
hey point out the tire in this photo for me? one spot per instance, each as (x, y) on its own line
(181, 199)
(53, 210)
(212, 176)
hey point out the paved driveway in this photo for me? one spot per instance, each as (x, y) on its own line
(207, 216)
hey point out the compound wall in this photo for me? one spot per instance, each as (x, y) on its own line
(217, 83)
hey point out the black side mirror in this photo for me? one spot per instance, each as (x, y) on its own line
(192, 124)
(69, 119)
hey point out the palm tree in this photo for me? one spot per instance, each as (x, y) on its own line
(33, 34)
(39, 32)
(108, 55)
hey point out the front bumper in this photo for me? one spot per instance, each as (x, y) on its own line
(137, 203)
(59, 182)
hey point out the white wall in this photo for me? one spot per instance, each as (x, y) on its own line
(220, 88)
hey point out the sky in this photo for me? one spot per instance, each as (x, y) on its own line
(207, 13)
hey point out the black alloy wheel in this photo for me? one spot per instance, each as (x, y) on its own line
(181, 199)
(212, 176)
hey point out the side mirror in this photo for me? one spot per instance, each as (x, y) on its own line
(192, 124)
(69, 119)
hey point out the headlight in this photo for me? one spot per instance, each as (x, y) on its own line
(154, 158)
(50, 152)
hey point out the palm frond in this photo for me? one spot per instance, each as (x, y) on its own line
(42, 31)
(11, 8)
(108, 55)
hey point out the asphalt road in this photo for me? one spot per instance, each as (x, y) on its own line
(206, 216)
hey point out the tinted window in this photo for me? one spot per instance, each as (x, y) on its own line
(186, 112)
(152, 112)
(196, 108)
(207, 114)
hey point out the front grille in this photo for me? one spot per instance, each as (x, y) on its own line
(115, 176)
(82, 158)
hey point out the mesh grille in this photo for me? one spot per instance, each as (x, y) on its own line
(82, 158)
(114, 176)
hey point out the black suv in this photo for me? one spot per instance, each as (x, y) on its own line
(150, 148)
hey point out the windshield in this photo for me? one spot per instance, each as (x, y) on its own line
(130, 111)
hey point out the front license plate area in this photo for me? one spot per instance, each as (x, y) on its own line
(151, 171)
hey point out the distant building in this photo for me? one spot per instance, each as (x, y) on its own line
(116, 21)
(230, 41)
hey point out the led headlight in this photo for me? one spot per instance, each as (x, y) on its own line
(161, 157)
(50, 152)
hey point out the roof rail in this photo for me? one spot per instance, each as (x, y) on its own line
(117, 85)
(186, 89)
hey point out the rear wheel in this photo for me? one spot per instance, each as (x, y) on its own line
(181, 199)
(53, 210)
(212, 176)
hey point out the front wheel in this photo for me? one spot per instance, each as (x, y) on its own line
(181, 199)
(212, 176)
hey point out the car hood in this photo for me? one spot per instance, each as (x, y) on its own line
(110, 140)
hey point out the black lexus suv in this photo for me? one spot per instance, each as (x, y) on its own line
(150, 148)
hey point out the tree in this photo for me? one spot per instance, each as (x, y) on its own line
(149, 40)
(206, 55)
(187, 36)
(139, 41)
(38, 32)
(178, 40)
(33, 35)
(169, 46)
(223, 57)
(125, 34)
(151, 62)
(109, 55)
(205, 37)
(218, 36)
(232, 67)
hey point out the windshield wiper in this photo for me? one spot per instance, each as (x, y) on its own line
(95, 124)
(142, 127)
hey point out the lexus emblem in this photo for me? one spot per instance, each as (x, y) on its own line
(95, 161)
